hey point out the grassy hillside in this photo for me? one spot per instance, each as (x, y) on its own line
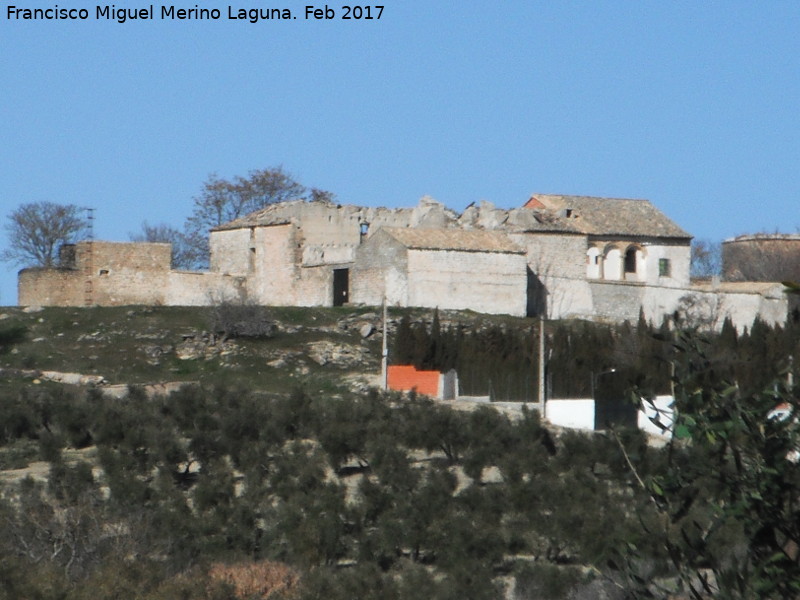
(154, 344)
(319, 349)
(274, 468)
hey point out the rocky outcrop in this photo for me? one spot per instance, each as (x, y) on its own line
(345, 356)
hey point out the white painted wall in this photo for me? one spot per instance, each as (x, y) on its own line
(574, 414)
(612, 265)
(661, 408)
(594, 263)
(678, 256)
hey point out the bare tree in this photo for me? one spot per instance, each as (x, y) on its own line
(37, 230)
(221, 201)
(699, 311)
(181, 253)
(318, 195)
(548, 291)
(706, 259)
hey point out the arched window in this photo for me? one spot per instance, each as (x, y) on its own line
(630, 260)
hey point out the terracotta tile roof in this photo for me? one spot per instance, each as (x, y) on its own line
(454, 239)
(546, 213)
(610, 216)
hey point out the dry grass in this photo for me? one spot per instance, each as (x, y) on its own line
(264, 580)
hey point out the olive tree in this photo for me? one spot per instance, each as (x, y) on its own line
(726, 503)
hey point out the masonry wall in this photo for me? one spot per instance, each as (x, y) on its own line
(489, 282)
(568, 298)
(126, 273)
(711, 307)
(554, 255)
(703, 306)
(616, 300)
(330, 234)
(679, 257)
(232, 251)
(50, 287)
(314, 285)
(761, 258)
(199, 288)
(380, 268)
(276, 262)
(117, 274)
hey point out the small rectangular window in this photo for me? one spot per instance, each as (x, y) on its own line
(663, 267)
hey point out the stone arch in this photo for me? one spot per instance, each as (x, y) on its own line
(612, 262)
(634, 262)
(594, 262)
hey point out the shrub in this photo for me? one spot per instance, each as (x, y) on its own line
(232, 320)
(543, 581)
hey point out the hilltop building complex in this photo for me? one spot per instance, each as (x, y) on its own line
(556, 256)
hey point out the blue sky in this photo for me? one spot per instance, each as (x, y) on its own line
(692, 105)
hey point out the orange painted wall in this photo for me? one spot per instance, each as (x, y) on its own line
(404, 378)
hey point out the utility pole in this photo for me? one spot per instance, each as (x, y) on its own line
(385, 349)
(541, 403)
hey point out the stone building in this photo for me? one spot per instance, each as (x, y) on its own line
(454, 268)
(94, 273)
(557, 256)
(761, 257)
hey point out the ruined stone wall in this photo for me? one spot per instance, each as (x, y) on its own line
(314, 286)
(276, 266)
(331, 235)
(381, 267)
(232, 251)
(199, 288)
(126, 273)
(152, 257)
(50, 287)
(487, 282)
(104, 274)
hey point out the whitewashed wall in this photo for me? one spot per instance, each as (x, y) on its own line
(573, 414)
(660, 408)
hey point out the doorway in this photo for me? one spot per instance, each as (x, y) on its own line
(341, 286)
